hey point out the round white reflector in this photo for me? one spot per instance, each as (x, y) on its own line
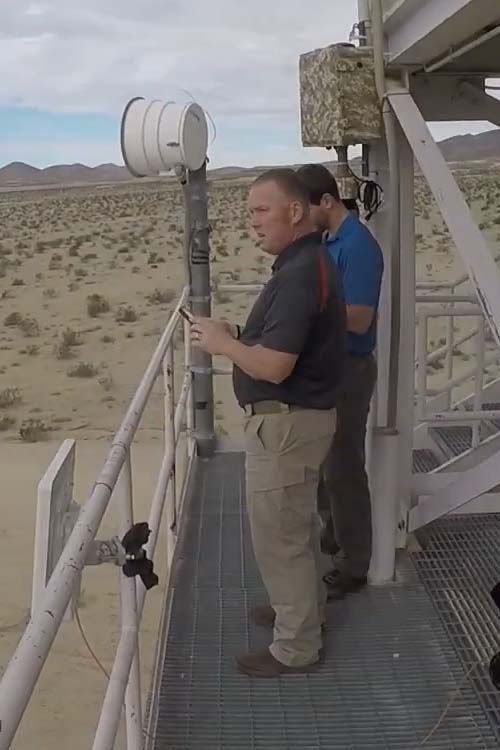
(158, 136)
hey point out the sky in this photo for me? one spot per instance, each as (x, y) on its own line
(69, 68)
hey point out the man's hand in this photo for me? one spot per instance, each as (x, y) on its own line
(211, 335)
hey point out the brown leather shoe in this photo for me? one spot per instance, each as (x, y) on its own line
(264, 616)
(263, 664)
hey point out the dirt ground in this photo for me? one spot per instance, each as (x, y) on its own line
(88, 277)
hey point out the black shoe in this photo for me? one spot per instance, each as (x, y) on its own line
(331, 577)
(343, 585)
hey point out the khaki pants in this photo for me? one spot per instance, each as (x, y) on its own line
(284, 455)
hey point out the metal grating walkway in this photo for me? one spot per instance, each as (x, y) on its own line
(390, 664)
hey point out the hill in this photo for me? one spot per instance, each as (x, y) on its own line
(459, 148)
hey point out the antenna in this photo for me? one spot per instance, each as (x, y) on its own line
(158, 137)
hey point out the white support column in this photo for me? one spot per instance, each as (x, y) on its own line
(380, 226)
(391, 459)
(406, 382)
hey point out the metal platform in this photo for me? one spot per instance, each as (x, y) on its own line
(391, 663)
(424, 460)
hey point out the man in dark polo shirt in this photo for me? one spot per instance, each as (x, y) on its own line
(343, 494)
(287, 363)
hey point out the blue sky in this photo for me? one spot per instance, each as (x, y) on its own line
(72, 67)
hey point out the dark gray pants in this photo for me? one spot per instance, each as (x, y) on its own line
(343, 491)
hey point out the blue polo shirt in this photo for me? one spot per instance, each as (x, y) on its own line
(360, 261)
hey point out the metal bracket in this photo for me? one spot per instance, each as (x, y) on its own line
(106, 551)
(201, 370)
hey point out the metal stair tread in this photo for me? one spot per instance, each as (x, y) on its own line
(424, 460)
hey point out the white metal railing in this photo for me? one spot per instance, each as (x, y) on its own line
(24, 668)
(449, 308)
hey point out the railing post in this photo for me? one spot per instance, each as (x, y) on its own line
(190, 401)
(128, 671)
(450, 345)
(198, 249)
(170, 444)
(129, 615)
(422, 366)
(478, 383)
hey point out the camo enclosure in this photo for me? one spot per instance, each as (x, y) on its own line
(338, 100)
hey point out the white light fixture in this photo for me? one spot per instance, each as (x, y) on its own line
(158, 136)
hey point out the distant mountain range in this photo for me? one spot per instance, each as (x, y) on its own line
(459, 148)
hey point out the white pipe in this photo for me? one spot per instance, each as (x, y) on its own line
(445, 309)
(489, 359)
(478, 384)
(463, 417)
(422, 368)
(113, 700)
(24, 668)
(133, 703)
(395, 238)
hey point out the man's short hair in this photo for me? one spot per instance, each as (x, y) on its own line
(319, 181)
(288, 181)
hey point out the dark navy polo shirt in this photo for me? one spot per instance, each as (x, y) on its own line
(360, 261)
(292, 314)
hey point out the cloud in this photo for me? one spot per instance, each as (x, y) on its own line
(237, 59)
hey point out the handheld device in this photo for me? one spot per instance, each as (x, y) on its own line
(186, 315)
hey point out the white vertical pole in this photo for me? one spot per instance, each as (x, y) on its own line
(190, 401)
(450, 345)
(478, 385)
(406, 382)
(133, 708)
(168, 380)
(422, 366)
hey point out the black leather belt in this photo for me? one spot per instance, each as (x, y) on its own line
(270, 407)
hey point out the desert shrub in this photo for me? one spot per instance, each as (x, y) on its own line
(106, 339)
(83, 370)
(97, 304)
(50, 293)
(9, 397)
(17, 282)
(33, 430)
(13, 319)
(55, 262)
(161, 297)
(6, 423)
(106, 382)
(30, 326)
(32, 350)
(126, 315)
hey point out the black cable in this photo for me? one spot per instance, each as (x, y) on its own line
(370, 194)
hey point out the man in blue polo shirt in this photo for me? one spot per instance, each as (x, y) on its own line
(343, 494)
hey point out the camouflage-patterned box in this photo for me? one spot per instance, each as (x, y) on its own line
(338, 99)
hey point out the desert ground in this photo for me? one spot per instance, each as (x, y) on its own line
(87, 279)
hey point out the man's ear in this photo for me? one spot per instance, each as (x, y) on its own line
(297, 212)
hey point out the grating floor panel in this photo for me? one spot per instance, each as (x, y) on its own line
(424, 459)
(389, 670)
(459, 565)
(453, 439)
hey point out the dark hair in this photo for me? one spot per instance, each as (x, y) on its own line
(318, 181)
(351, 204)
(288, 181)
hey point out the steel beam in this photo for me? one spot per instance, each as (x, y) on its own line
(477, 257)
(419, 31)
(469, 485)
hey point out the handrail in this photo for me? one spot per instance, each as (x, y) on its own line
(24, 668)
